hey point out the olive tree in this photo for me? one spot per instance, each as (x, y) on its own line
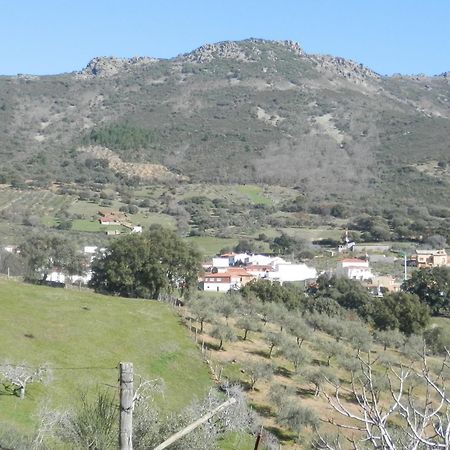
(223, 333)
(247, 324)
(258, 370)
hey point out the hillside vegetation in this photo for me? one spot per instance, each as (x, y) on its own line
(249, 111)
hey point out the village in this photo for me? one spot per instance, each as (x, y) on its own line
(230, 271)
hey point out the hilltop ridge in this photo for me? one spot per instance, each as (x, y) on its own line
(255, 111)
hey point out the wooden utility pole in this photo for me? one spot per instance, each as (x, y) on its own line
(126, 406)
(194, 425)
(258, 439)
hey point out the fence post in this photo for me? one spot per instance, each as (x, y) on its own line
(126, 406)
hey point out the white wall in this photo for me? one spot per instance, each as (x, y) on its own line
(217, 287)
(221, 262)
(292, 272)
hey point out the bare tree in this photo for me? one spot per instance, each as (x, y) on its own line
(16, 378)
(399, 407)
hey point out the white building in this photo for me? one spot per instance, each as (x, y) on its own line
(355, 269)
(221, 262)
(260, 260)
(292, 272)
(55, 276)
(225, 281)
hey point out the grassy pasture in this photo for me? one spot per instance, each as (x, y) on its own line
(255, 194)
(210, 246)
(83, 336)
(311, 234)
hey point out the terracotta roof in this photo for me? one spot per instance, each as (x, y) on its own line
(237, 271)
(228, 254)
(354, 260)
(230, 273)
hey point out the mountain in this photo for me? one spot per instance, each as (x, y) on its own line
(249, 111)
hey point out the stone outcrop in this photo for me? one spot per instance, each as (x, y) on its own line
(345, 68)
(248, 50)
(109, 66)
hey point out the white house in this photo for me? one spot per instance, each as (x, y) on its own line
(225, 281)
(221, 262)
(355, 269)
(136, 229)
(260, 260)
(292, 272)
(56, 276)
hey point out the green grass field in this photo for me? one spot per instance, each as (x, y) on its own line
(210, 246)
(83, 336)
(255, 194)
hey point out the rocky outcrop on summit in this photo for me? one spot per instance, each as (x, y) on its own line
(345, 68)
(252, 50)
(108, 66)
(248, 50)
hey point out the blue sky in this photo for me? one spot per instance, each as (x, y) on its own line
(55, 36)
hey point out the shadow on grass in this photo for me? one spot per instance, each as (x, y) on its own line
(305, 392)
(245, 385)
(262, 353)
(215, 347)
(9, 390)
(281, 435)
(263, 410)
(283, 372)
(319, 363)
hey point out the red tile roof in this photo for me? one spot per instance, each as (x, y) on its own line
(238, 271)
